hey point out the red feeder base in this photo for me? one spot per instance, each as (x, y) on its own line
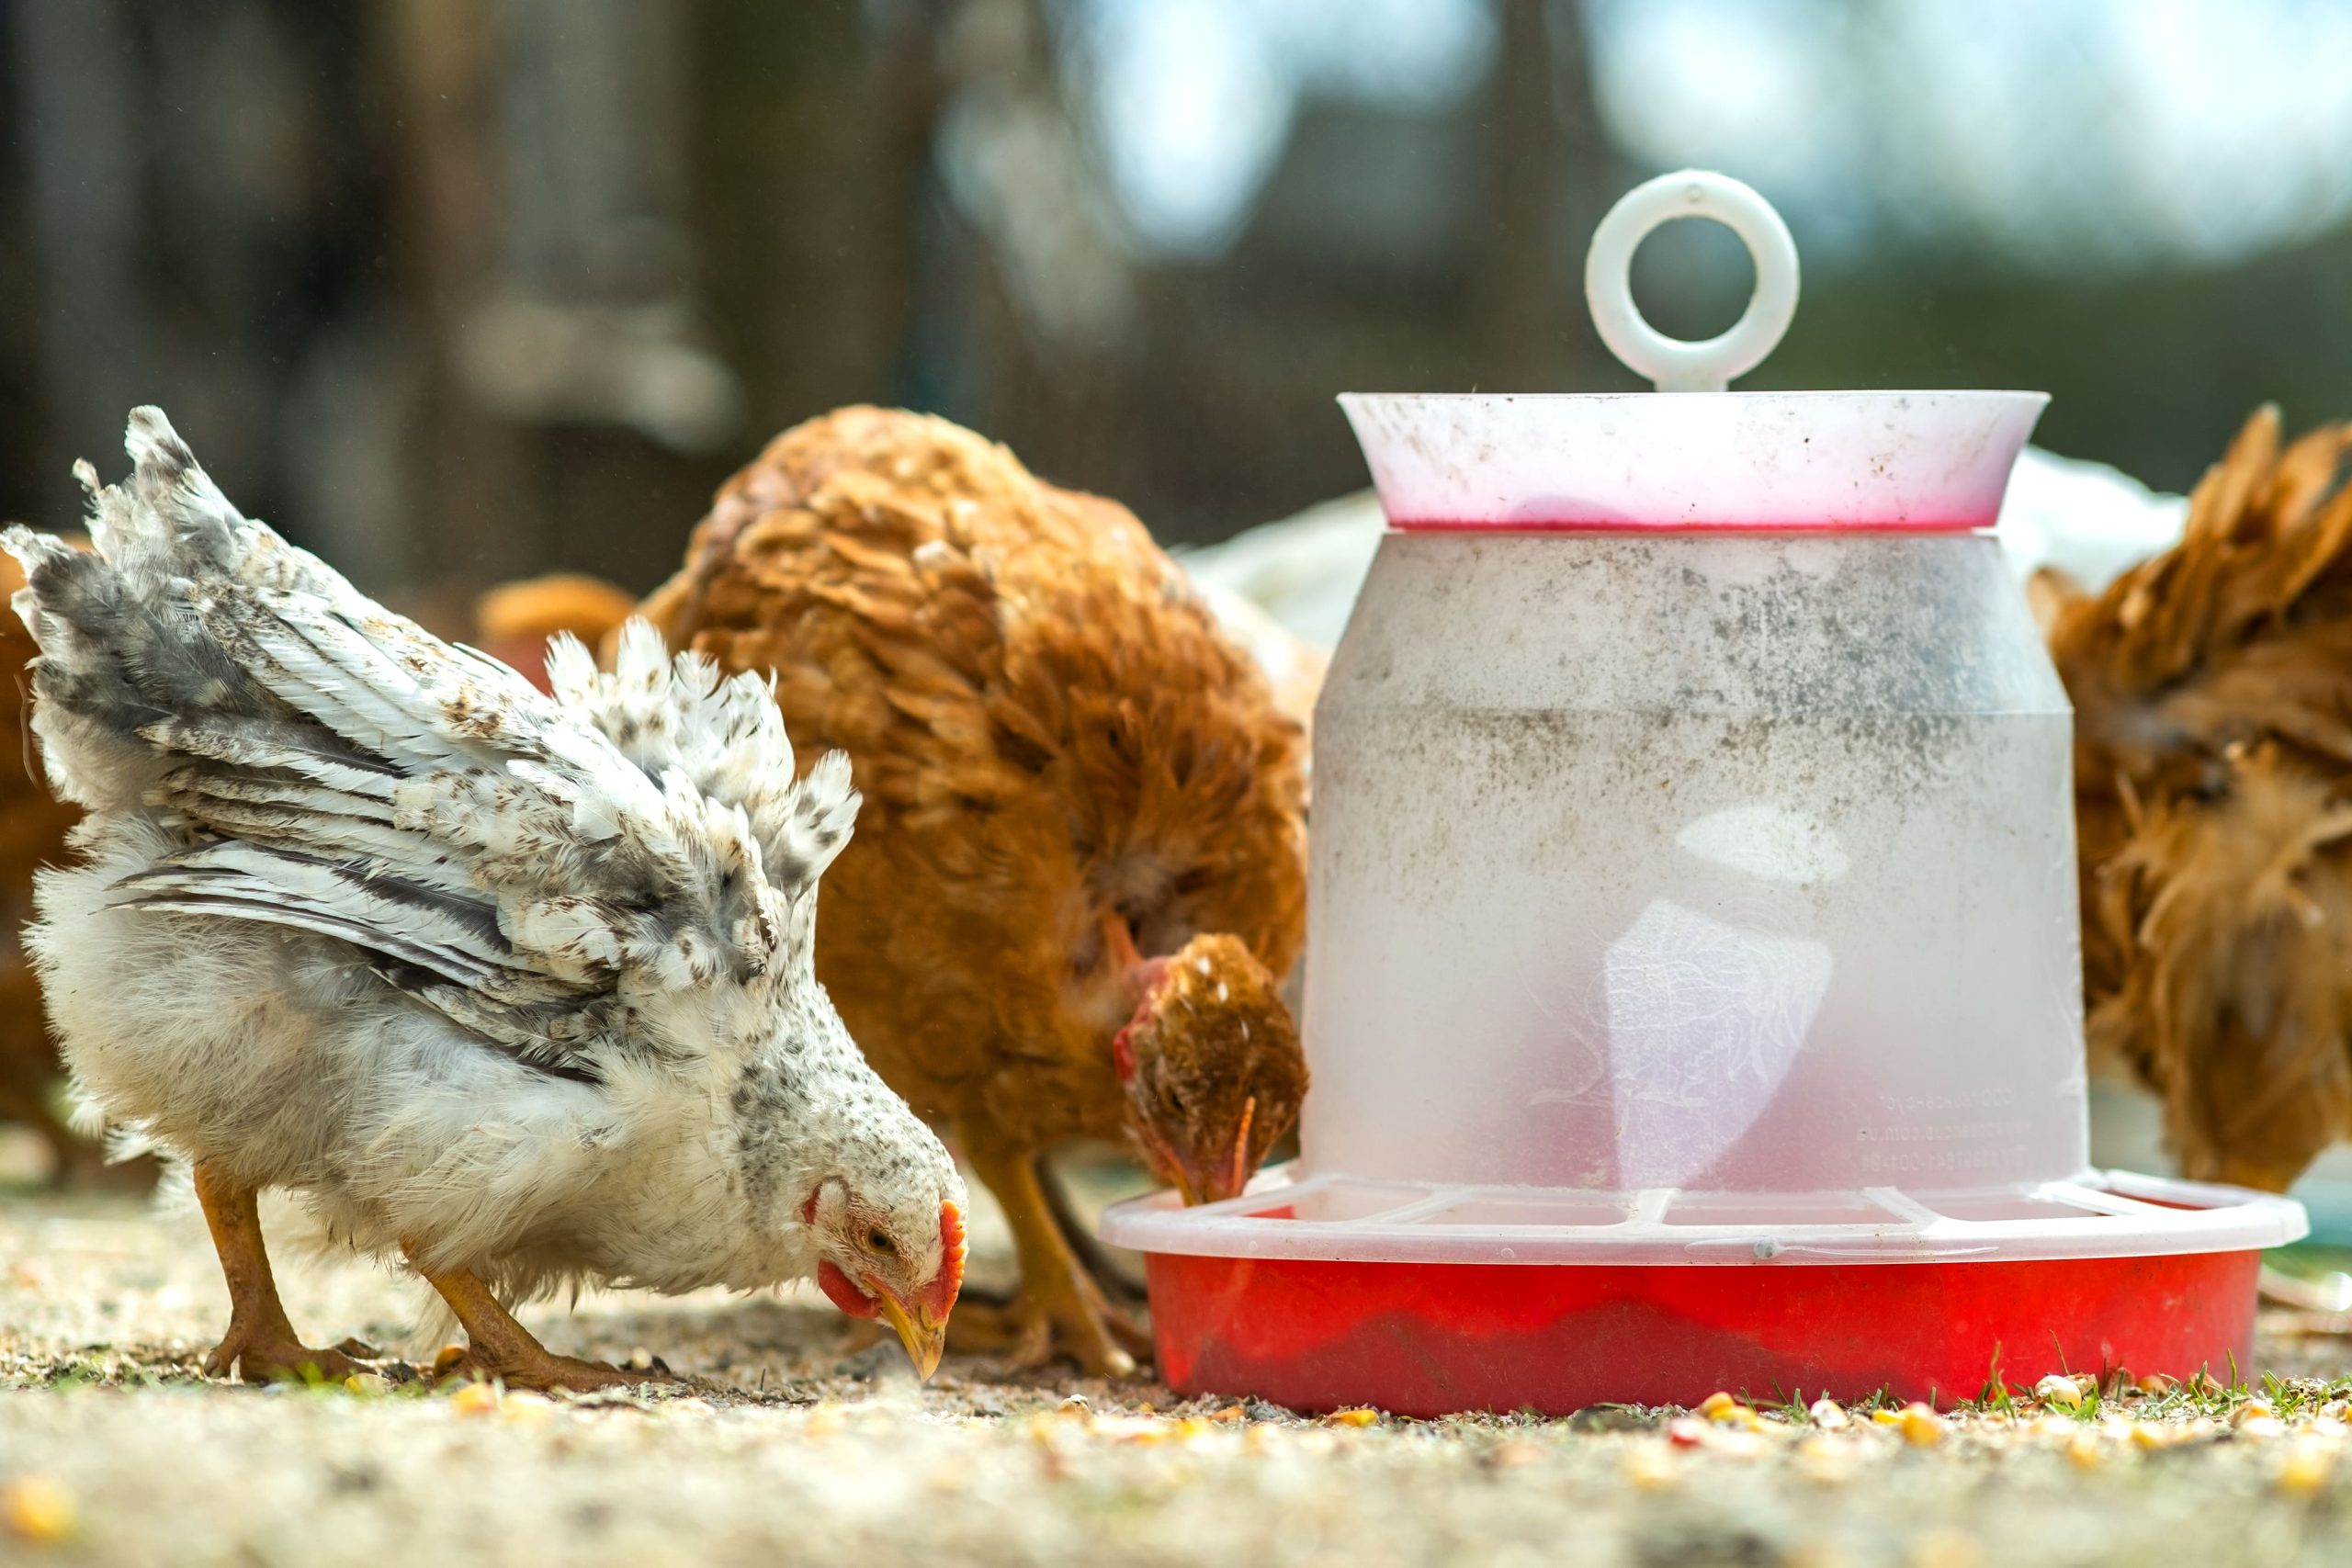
(1434, 1339)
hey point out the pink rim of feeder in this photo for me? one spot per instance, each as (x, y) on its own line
(1857, 1214)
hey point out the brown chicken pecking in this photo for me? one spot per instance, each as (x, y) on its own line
(1079, 872)
(2212, 690)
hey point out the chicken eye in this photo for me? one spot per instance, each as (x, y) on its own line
(879, 1241)
(1171, 1099)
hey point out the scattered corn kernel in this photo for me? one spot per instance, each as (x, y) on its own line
(37, 1508)
(2149, 1435)
(1358, 1417)
(1885, 1417)
(2056, 1427)
(446, 1358)
(1231, 1413)
(1075, 1406)
(475, 1399)
(1921, 1427)
(2263, 1426)
(1827, 1414)
(825, 1420)
(1946, 1549)
(2084, 1451)
(1824, 1460)
(1651, 1469)
(2061, 1390)
(2307, 1468)
(2251, 1410)
(367, 1386)
(1514, 1453)
(530, 1409)
(1715, 1403)
(2328, 1427)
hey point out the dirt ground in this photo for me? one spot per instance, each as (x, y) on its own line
(783, 1445)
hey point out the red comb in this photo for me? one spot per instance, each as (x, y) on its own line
(941, 1296)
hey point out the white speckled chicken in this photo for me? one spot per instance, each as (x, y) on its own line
(518, 987)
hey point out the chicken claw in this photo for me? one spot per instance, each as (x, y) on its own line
(1061, 1311)
(258, 1353)
(260, 1346)
(500, 1347)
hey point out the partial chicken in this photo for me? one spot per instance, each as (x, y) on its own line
(519, 988)
(1081, 873)
(513, 622)
(33, 824)
(2212, 690)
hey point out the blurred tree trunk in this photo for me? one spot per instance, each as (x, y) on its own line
(73, 79)
(1550, 176)
(812, 129)
(571, 410)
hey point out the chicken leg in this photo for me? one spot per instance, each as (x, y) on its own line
(498, 1347)
(260, 1344)
(1060, 1309)
(1092, 1256)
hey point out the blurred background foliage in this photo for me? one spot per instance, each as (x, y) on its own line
(455, 290)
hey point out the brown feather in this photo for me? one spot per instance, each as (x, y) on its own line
(2212, 689)
(1048, 727)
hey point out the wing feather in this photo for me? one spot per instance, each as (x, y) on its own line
(540, 871)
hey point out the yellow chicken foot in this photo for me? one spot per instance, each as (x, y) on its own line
(1059, 1310)
(1109, 1278)
(498, 1347)
(260, 1345)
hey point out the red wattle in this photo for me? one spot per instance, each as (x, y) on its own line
(843, 1294)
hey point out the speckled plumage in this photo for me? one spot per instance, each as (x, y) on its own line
(1077, 786)
(521, 983)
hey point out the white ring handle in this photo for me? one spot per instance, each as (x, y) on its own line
(1671, 364)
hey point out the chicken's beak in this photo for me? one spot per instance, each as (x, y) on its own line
(1215, 1180)
(924, 1338)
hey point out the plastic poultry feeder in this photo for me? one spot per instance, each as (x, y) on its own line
(1693, 981)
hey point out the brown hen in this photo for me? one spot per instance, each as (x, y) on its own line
(2212, 691)
(1080, 869)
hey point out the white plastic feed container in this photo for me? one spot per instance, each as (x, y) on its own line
(1693, 882)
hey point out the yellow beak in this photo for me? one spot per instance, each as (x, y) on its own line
(925, 1341)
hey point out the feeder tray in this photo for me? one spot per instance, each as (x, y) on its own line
(1693, 982)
